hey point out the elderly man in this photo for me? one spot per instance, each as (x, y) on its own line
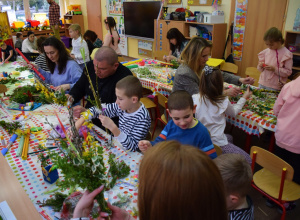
(54, 17)
(106, 69)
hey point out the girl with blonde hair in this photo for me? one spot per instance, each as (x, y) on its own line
(77, 43)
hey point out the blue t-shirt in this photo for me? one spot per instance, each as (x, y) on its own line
(197, 136)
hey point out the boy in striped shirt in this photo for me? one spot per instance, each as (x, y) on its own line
(134, 119)
(183, 127)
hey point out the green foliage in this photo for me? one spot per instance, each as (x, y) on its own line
(145, 73)
(10, 127)
(22, 68)
(93, 102)
(175, 63)
(20, 94)
(8, 80)
(55, 202)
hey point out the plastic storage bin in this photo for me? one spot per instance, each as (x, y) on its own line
(66, 41)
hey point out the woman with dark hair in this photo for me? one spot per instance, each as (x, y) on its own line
(93, 37)
(112, 38)
(29, 47)
(176, 181)
(177, 44)
(64, 71)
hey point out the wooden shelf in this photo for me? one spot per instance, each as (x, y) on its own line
(296, 68)
(76, 19)
(297, 53)
(293, 38)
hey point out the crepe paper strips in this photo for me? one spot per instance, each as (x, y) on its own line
(27, 61)
(26, 145)
(132, 62)
(20, 148)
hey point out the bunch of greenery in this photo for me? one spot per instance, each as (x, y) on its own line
(175, 63)
(145, 73)
(8, 80)
(23, 94)
(22, 68)
(10, 127)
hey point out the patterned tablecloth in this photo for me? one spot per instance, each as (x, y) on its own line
(29, 172)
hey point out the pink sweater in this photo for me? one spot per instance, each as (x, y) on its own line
(287, 110)
(268, 78)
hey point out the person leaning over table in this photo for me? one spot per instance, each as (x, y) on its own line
(176, 182)
(194, 58)
(64, 71)
(29, 46)
(106, 69)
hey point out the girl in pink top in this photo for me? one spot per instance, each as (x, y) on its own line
(112, 38)
(275, 62)
(287, 136)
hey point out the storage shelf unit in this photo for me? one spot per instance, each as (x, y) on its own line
(293, 38)
(76, 19)
(218, 34)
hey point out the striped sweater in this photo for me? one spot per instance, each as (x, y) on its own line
(243, 214)
(197, 136)
(42, 62)
(133, 126)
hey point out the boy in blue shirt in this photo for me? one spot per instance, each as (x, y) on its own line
(183, 127)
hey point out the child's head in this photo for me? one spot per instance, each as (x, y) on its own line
(19, 35)
(175, 38)
(273, 38)
(129, 90)
(179, 182)
(75, 31)
(110, 22)
(30, 36)
(181, 108)
(211, 85)
(3, 45)
(39, 44)
(90, 35)
(237, 176)
(196, 53)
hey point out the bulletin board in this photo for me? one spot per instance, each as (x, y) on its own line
(202, 2)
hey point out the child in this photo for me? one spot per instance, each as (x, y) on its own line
(237, 177)
(93, 37)
(112, 39)
(77, 44)
(275, 62)
(184, 127)
(19, 41)
(134, 119)
(212, 106)
(41, 60)
(8, 53)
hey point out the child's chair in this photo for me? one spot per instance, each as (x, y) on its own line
(229, 67)
(160, 100)
(254, 73)
(274, 180)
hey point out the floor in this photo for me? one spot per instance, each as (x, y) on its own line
(261, 211)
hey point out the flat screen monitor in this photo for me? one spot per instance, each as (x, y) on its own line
(139, 18)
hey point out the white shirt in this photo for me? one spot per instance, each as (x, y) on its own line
(29, 47)
(76, 46)
(213, 117)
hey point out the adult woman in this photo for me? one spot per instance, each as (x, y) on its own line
(177, 44)
(64, 72)
(29, 46)
(176, 182)
(194, 58)
(112, 38)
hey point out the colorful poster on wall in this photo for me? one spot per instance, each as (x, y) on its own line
(239, 29)
(115, 10)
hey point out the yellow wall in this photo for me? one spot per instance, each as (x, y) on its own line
(226, 4)
(83, 9)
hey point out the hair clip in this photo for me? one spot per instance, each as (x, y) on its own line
(207, 70)
(111, 35)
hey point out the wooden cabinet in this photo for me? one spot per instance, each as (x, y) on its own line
(218, 34)
(73, 19)
(292, 38)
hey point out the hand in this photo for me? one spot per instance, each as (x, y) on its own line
(70, 99)
(117, 213)
(233, 91)
(270, 68)
(247, 93)
(72, 55)
(144, 145)
(108, 123)
(85, 204)
(63, 87)
(247, 80)
(77, 110)
(261, 65)
(31, 66)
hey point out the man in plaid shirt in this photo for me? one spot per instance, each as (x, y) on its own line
(54, 17)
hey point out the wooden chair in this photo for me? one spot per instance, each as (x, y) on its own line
(148, 103)
(254, 73)
(159, 54)
(274, 180)
(218, 150)
(160, 100)
(229, 67)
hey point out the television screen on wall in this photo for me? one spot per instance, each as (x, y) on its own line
(139, 18)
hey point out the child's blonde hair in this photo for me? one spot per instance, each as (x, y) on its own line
(236, 173)
(273, 35)
(211, 85)
(76, 27)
